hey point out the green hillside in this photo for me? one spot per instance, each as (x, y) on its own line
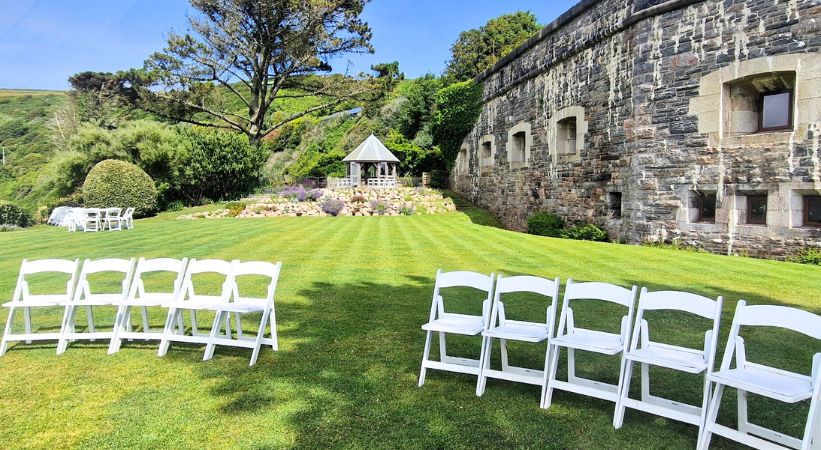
(24, 134)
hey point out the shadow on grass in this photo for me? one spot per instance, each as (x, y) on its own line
(476, 214)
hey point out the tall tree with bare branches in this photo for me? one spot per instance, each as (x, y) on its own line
(254, 52)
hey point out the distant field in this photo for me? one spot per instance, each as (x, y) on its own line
(32, 92)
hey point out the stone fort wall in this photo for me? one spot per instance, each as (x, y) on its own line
(628, 113)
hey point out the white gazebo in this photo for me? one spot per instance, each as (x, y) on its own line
(372, 164)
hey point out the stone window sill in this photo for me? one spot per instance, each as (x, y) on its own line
(518, 165)
(762, 137)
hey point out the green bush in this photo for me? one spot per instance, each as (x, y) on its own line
(5, 228)
(809, 255)
(11, 214)
(585, 232)
(119, 184)
(545, 224)
(457, 108)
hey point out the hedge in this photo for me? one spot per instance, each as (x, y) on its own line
(11, 214)
(119, 184)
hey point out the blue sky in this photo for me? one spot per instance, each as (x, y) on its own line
(43, 42)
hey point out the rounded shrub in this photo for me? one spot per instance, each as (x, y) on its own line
(11, 214)
(545, 224)
(586, 232)
(118, 184)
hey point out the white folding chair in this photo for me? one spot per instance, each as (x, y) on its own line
(112, 219)
(84, 297)
(445, 322)
(648, 353)
(191, 301)
(127, 219)
(767, 381)
(92, 220)
(575, 338)
(504, 329)
(138, 297)
(25, 300)
(244, 304)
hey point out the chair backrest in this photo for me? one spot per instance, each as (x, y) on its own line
(173, 266)
(598, 292)
(45, 266)
(256, 268)
(129, 213)
(678, 301)
(91, 212)
(105, 265)
(525, 283)
(113, 213)
(214, 266)
(784, 317)
(473, 280)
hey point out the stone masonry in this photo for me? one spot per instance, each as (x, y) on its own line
(624, 112)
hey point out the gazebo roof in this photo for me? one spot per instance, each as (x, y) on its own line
(372, 150)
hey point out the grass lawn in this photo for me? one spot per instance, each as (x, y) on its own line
(352, 296)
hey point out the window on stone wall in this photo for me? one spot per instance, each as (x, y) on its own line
(812, 210)
(517, 148)
(462, 162)
(703, 207)
(566, 136)
(487, 154)
(614, 204)
(761, 103)
(757, 209)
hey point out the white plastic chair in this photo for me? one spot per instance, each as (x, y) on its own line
(140, 298)
(767, 381)
(127, 219)
(574, 338)
(504, 329)
(191, 301)
(445, 322)
(646, 352)
(112, 219)
(242, 305)
(84, 297)
(25, 300)
(92, 220)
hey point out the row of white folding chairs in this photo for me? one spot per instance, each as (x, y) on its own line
(633, 346)
(178, 297)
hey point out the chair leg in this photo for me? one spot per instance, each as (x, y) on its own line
(260, 334)
(503, 345)
(173, 314)
(484, 364)
(90, 318)
(743, 421)
(425, 355)
(7, 332)
(624, 392)
(546, 373)
(209, 348)
(571, 365)
(274, 338)
(68, 327)
(705, 402)
(812, 433)
(116, 341)
(705, 435)
(227, 320)
(146, 327)
(554, 366)
(193, 322)
(27, 318)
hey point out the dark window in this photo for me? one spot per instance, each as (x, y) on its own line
(705, 205)
(614, 204)
(487, 156)
(519, 143)
(757, 209)
(812, 210)
(566, 139)
(776, 111)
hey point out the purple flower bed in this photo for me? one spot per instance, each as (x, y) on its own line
(332, 206)
(300, 194)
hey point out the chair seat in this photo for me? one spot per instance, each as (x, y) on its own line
(456, 323)
(590, 340)
(670, 356)
(241, 306)
(772, 383)
(151, 299)
(37, 300)
(198, 303)
(97, 300)
(519, 331)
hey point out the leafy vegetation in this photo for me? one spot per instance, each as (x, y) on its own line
(458, 108)
(808, 255)
(544, 223)
(119, 184)
(11, 214)
(350, 302)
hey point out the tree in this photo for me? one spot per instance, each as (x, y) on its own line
(479, 49)
(101, 98)
(254, 52)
